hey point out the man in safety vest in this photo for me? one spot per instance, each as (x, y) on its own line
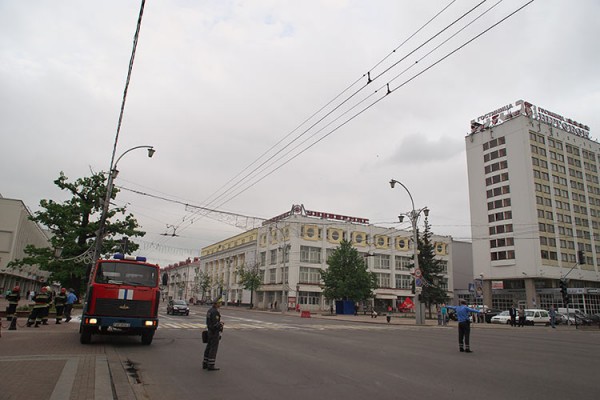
(42, 300)
(13, 300)
(59, 304)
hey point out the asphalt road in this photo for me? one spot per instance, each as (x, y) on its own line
(273, 356)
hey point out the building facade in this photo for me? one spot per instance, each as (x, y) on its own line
(535, 205)
(290, 250)
(16, 232)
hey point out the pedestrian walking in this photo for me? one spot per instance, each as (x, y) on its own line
(59, 304)
(214, 327)
(439, 314)
(444, 314)
(552, 313)
(42, 299)
(464, 325)
(71, 299)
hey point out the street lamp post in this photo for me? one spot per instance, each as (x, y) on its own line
(413, 215)
(109, 189)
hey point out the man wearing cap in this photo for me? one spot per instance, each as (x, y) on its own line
(464, 325)
(214, 327)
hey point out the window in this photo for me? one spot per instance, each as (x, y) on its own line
(310, 254)
(309, 298)
(383, 280)
(310, 275)
(273, 259)
(403, 282)
(403, 263)
(381, 261)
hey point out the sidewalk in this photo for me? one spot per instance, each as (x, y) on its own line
(49, 363)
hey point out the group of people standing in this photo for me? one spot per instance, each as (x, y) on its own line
(63, 303)
(517, 316)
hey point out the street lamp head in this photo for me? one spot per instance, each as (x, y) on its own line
(392, 183)
(151, 152)
(426, 211)
(401, 218)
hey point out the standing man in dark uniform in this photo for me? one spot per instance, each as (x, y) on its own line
(13, 300)
(513, 315)
(42, 300)
(46, 312)
(214, 327)
(59, 304)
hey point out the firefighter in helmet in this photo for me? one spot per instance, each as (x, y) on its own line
(59, 304)
(13, 300)
(41, 299)
(48, 305)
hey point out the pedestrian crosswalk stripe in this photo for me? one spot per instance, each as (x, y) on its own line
(278, 327)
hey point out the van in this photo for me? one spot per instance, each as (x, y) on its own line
(537, 317)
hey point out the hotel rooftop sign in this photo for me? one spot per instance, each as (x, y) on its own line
(522, 107)
(298, 209)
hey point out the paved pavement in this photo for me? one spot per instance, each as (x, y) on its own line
(50, 363)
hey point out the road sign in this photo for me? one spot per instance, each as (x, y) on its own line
(418, 273)
(418, 282)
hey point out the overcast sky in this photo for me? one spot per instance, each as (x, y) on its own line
(219, 85)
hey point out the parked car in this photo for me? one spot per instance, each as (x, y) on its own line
(561, 319)
(178, 307)
(502, 318)
(491, 312)
(537, 317)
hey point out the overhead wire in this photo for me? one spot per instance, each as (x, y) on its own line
(235, 188)
(236, 184)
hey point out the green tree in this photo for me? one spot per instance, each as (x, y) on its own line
(432, 270)
(202, 283)
(73, 225)
(347, 277)
(250, 279)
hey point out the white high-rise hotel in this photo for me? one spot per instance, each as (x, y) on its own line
(535, 202)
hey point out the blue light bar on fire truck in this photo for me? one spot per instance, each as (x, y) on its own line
(119, 256)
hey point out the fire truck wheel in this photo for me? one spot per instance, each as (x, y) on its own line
(147, 337)
(86, 336)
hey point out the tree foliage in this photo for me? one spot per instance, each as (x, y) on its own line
(347, 277)
(73, 225)
(432, 270)
(250, 279)
(202, 282)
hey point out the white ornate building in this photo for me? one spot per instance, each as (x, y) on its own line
(290, 250)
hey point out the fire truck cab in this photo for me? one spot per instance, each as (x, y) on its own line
(122, 298)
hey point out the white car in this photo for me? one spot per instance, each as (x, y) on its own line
(502, 318)
(537, 317)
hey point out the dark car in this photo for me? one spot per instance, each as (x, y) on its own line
(489, 313)
(178, 307)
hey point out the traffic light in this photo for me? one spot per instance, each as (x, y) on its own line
(580, 257)
(563, 291)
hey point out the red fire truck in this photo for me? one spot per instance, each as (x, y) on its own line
(122, 298)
